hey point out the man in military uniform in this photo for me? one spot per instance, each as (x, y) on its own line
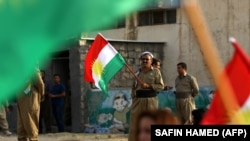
(3, 120)
(28, 109)
(144, 91)
(186, 89)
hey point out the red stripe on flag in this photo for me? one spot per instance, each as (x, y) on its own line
(238, 72)
(92, 54)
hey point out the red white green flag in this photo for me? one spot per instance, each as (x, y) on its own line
(238, 72)
(102, 63)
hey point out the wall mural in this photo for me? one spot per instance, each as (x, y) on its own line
(108, 114)
(111, 114)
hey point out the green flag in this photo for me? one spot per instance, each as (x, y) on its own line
(30, 29)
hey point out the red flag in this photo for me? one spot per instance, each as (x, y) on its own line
(238, 72)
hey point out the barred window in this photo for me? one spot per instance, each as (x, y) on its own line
(157, 16)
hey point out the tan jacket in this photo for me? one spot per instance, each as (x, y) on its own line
(152, 77)
(186, 86)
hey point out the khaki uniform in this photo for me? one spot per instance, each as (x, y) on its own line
(28, 111)
(45, 110)
(3, 121)
(153, 78)
(186, 89)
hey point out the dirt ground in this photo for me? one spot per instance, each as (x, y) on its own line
(73, 137)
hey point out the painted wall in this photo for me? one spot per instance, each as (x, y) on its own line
(111, 114)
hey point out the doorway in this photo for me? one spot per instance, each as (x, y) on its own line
(59, 64)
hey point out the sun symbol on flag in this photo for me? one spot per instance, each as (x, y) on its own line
(246, 114)
(98, 68)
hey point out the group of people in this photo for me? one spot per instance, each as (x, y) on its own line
(34, 102)
(34, 105)
(144, 109)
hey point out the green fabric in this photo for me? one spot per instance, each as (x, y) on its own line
(109, 71)
(30, 29)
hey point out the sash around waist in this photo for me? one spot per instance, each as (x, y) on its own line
(183, 94)
(145, 93)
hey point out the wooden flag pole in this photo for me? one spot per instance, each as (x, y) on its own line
(131, 70)
(211, 56)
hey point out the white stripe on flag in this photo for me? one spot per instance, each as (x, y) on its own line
(105, 56)
(246, 105)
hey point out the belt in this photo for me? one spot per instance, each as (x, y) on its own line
(183, 94)
(145, 93)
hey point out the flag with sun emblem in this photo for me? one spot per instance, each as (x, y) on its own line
(102, 62)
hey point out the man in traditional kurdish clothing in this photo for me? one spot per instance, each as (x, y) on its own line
(28, 109)
(186, 89)
(144, 94)
(3, 120)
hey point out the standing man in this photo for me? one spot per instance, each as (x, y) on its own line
(186, 89)
(29, 108)
(57, 95)
(45, 109)
(144, 95)
(3, 120)
(157, 64)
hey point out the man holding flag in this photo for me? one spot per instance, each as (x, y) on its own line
(144, 91)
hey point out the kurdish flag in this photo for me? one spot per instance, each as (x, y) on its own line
(102, 62)
(238, 72)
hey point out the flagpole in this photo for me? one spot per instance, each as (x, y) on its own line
(211, 56)
(136, 77)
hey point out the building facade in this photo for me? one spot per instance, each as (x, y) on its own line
(166, 21)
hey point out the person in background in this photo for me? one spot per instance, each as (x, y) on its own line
(186, 89)
(148, 118)
(28, 105)
(3, 119)
(144, 94)
(57, 95)
(156, 63)
(45, 110)
(198, 115)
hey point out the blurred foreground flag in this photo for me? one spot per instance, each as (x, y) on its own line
(238, 72)
(30, 30)
(102, 62)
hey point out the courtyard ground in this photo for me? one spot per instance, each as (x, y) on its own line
(72, 137)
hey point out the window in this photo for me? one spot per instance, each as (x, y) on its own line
(156, 17)
(144, 18)
(171, 16)
(121, 23)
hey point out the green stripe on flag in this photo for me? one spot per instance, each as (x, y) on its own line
(109, 71)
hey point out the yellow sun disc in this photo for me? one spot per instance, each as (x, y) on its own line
(97, 68)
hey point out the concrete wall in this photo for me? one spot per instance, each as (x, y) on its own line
(225, 18)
